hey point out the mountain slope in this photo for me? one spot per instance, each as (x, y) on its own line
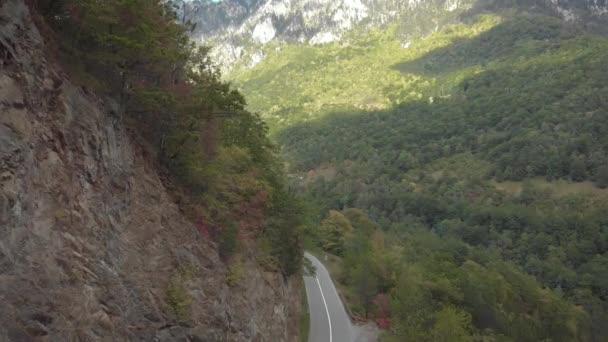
(478, 153)
(239, 30)
(93, 245)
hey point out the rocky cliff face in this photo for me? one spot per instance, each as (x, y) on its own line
(238, 29)
(306, 21)
(92, 248)
(248, 26)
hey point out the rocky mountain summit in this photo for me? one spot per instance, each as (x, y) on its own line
(239, 29)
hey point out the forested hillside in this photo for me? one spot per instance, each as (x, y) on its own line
(217, 154)
(464, 170)
(139, 200)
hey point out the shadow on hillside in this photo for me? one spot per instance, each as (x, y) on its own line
(495, 44)
(528, 120)
(498, 111)
(587, 19)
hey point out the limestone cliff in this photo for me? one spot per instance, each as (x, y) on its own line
(92, 248)
(239, 29)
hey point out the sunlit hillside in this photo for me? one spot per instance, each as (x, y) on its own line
(480, 148)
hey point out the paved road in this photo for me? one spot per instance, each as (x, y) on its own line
(328, 319)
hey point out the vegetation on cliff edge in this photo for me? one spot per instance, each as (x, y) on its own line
(170, 93)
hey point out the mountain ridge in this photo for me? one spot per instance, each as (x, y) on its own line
(238, 30)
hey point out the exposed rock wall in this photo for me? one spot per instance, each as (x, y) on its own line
(246, 27)
(238, 29)
(91, 246)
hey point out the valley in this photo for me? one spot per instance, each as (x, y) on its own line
(456, 172)
(304, 170)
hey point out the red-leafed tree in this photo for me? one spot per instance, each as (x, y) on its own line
(382, 311)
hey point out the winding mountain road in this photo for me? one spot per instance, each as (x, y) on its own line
(329, 322)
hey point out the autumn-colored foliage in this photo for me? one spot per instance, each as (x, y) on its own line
(382, 312)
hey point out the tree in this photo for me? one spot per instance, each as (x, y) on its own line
(334, 231)
(601, 177)
(452, 325)
(365, 285)
(578, 170)
(228, 241)
(360, 221)
(282, 230)
(412, 308)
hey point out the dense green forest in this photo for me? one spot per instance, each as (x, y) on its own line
(475, 158)
(216, 156)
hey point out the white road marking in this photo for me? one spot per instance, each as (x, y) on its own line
(326, 309)
(333, 286)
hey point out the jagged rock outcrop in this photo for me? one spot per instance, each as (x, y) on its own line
(92, 248)
(238, 29)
